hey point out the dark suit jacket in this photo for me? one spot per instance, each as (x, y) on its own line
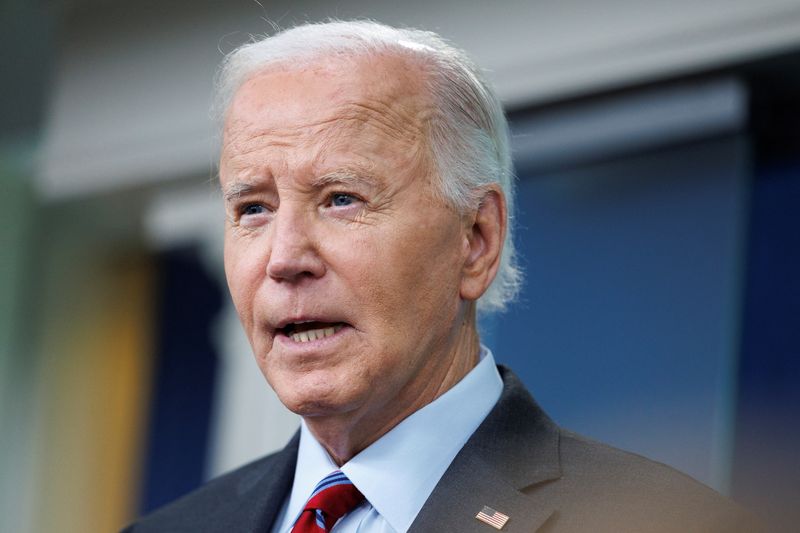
(517, 462)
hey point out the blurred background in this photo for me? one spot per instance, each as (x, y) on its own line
(658, 158)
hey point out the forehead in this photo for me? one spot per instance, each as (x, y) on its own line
(383, 91)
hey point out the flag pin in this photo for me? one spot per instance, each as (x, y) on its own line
(494, 518)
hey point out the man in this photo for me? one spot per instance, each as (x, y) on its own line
(367, 183)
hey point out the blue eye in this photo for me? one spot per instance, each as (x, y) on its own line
(341, 200)
(253, 209)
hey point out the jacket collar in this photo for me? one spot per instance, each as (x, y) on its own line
(515, 448)
(264, 488)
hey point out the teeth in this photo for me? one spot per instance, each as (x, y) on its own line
(314, 334)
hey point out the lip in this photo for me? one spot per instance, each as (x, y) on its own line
(300, 319)
(310, 345)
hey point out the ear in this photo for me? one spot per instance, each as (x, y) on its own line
(484, 243)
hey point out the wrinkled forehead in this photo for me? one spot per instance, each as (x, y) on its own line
(380, 87)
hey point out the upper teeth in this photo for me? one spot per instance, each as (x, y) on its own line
(314, 334)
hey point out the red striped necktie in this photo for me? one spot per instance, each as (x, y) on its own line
(333, 497)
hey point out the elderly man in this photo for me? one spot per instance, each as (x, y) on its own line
(367, 182)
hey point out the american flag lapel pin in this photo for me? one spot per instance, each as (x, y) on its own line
(494, 518)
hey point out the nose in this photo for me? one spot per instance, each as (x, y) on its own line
(294, 253)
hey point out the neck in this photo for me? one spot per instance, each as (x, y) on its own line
(345, 436)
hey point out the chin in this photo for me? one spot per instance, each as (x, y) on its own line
(316, 406)
(314, 395)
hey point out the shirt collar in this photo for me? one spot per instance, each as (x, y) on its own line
(398, 472)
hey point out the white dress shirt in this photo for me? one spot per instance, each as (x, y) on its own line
(398, 472)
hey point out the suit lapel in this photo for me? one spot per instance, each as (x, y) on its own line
(264, 490)
(515, 448)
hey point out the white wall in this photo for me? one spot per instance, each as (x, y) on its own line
(131, 96)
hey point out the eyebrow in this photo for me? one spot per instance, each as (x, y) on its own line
(343, 177)
(237, 189)
(337, 177)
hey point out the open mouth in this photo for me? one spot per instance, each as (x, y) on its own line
(311, 331)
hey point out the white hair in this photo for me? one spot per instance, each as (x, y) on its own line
(469, 139)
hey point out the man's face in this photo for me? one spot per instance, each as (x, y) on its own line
(343, 265)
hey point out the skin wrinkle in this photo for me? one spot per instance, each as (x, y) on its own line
(241, 192)
(396, 264)
(278, 139)
(416, 150)
(369, 109)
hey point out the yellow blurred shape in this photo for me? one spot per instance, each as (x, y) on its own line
(97, 350)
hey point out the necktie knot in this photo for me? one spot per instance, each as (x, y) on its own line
(333, 497)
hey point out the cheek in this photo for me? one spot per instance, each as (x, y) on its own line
(407, 275)
(242, 273)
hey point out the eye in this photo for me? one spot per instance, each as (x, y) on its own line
(253, 214)
(253, 209)
(340, 199)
